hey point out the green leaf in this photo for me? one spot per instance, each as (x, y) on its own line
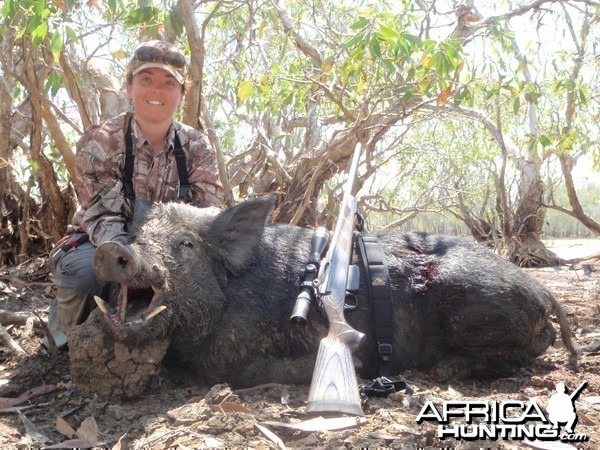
(56, 45)
(20, 33)
(354, 40)
(360, 23)
(415, 41)
(388, 65)
(374, 47)
(451, 50)
(71, 31)
(40, 9)
(9, 10)
(516, 104)
(53, 83)
(288, 99)
(141, 16)
(406, 93)
(428, 45)
(39, 33)
(463, 94)
(545, 140)
(176, 21)
(387, 32)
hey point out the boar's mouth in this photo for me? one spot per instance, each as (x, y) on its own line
(134, 305)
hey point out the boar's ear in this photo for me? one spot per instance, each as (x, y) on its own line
(237, 231)
(141, 209)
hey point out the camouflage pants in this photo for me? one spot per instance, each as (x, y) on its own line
(76, 286)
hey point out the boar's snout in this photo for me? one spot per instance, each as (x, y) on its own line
(114, 261)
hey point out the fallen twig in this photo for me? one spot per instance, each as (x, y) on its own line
(7, 340)
(50, 339)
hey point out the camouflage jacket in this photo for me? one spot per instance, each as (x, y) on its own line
(104, 209)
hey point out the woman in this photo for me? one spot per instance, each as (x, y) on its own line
(144, 154)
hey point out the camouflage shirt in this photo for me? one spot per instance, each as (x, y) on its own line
(100, 162)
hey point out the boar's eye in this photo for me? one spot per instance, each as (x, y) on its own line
(186, 243)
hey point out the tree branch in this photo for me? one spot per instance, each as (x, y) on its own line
(298, 40)
(468, 23)
(60, 141)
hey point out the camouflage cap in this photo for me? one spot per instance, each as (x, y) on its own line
(161, 54)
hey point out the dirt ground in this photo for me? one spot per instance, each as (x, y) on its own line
(39, 407)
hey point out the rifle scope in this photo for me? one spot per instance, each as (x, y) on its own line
(307, 295)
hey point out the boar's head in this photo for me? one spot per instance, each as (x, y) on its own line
(172, 274)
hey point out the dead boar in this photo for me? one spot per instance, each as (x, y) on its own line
(215, 292)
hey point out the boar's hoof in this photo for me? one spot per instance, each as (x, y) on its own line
(109, 369)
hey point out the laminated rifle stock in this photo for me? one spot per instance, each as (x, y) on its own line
(334, 386)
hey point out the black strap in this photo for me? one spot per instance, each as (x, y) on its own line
(382, 387)
(129, 157)
(378, 282)
(185, 194)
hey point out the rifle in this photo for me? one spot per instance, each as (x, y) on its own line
(334, 386)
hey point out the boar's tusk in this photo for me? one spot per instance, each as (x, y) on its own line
(154, 312)
(102, 306)
(123, 305)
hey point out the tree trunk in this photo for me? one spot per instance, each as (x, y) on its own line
(192, 109)
(519, 238)
(300, 204)
(48, 185)
(566, 165)
(6, 63)
(524, 246)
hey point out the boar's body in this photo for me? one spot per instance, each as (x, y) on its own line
(254, 341)
(229, 285)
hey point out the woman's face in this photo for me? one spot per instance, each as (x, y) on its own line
(156, 96)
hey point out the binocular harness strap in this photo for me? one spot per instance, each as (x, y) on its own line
(129, 157)
(184, 184)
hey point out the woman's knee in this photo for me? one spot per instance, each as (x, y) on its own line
(75, 269)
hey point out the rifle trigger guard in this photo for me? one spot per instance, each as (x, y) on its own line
(353, 302)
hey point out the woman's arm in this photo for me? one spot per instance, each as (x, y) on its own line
(99, 187)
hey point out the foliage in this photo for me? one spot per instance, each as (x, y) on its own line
(377, 59)
(454, 108)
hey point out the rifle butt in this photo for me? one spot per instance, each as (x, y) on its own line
(334, 386)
